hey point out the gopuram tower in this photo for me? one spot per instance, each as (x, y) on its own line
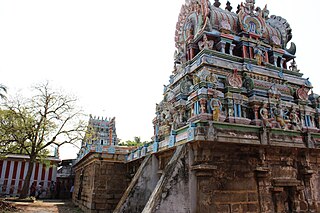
(239, 118)
(238, 127)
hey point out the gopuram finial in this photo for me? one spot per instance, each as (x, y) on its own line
(217, 3)
(228, 7)
(250, 2)
(250, 5)
(238, 9)
(265, 12)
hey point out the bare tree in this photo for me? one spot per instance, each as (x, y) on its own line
(30, 126)
(3, 89)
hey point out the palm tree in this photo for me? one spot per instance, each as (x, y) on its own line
(3, 89)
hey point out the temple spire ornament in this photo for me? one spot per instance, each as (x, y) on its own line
(205, 44)
(249, 5)
(228, 7)
(217, 3)
(238, 9)
(293, 66)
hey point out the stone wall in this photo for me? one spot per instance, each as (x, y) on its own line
(216, 177)
(246, 179)
(172, 191)
(99, 184)
(140, 188)
(204, 177)
(225, 179)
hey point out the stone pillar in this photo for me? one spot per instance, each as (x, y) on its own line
(222, 46)
(312, 118)
(256, 121)
(264, 184)
(192, 110)
(232, 46)
(203, 107)
(154, 174)
(266, 57)
(255, 112)
(282, 62)
(275, 61)
(244, 51)
(317, 120)
(251, 53)
(229, 108)
(307, 174)
(192, 181)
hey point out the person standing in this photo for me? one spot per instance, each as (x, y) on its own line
(39, 190)
(71, 190)
(58, 187)
(52, 189)
(33, 189)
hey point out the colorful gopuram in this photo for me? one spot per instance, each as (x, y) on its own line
(249, 118)
(101, 136)
(236, 131)
(235, 68)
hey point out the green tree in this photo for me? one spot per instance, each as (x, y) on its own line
(30, 126)
(137, 139)
(136, 142)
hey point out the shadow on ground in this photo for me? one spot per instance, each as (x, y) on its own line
(46, 206)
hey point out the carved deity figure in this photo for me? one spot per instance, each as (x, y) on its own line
(211, 78)
(294, 119)
(279, 115)
(265, 116)
(196, 79)
(216, 107)
(250, 6)
(293, 66)
(189, 29)
(180, 56)
(199, 19)
(205, 44)
(176, 120)
(273, 92)
(259, 55)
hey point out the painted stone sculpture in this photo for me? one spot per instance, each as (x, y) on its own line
(279, 116)
(266, 121)
(205, 44)
(235, 68)
(294, 119)
(216, 107)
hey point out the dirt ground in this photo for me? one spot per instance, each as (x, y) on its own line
(50, 206)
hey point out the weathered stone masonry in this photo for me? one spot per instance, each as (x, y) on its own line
(219, 175)
(100, 182)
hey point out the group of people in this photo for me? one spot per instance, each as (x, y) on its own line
(39, 191)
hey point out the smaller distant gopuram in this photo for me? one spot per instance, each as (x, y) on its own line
(101, 135)
(100, 161)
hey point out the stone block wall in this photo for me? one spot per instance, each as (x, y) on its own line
(204, 177)
(140, 188)
(228, 185)
(244, 179)
(83, 186)
(110, 184)
(99, 184)
(172, 192)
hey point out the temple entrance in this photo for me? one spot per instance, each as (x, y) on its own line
(284, 200)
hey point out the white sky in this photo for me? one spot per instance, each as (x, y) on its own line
(115, 56)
